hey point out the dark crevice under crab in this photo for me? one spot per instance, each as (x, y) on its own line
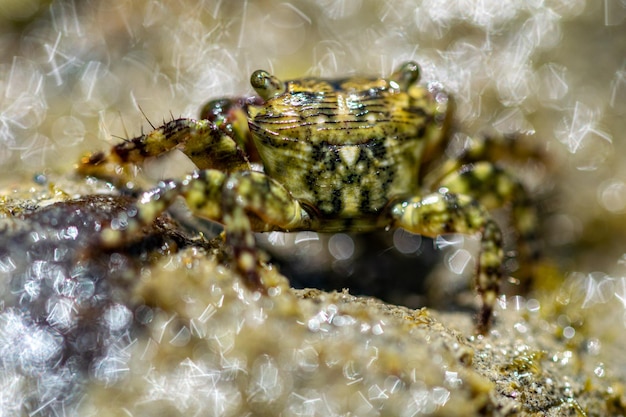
(354, 154)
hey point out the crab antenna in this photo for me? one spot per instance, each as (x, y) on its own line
(406, 75)
(266, 85)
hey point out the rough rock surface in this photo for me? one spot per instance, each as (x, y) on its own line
(162, 327)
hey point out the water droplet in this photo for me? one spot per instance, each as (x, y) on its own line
(117, 317)
(266, 383)
(458, 261)
(181, 338)
(533, 305)
(593, 346)
(612, 195)
(144, 314)
(341, 246)
(569, 332)
(40, 178)
(406, 242)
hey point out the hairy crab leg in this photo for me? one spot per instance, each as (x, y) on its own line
(202, 141)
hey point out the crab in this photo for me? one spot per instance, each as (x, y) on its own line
(328, 155)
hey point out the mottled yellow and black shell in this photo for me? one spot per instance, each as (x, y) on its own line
(347, 147)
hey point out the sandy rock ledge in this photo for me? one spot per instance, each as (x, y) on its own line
(162, 327)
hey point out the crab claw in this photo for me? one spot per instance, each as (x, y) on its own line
(266, 85)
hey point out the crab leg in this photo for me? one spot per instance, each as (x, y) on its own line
(494, 187)
(441, 213)
(201, 140)
(244, 202)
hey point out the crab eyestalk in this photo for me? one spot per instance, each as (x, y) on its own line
(406, 75)
(266, 85)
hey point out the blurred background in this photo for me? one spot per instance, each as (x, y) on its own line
(78, 76)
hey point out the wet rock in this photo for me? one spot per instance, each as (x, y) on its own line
(162, 326)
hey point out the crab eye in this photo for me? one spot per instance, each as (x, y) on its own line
(406, 75)
(267, 86)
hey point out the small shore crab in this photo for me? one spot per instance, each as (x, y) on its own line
(329, 155)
